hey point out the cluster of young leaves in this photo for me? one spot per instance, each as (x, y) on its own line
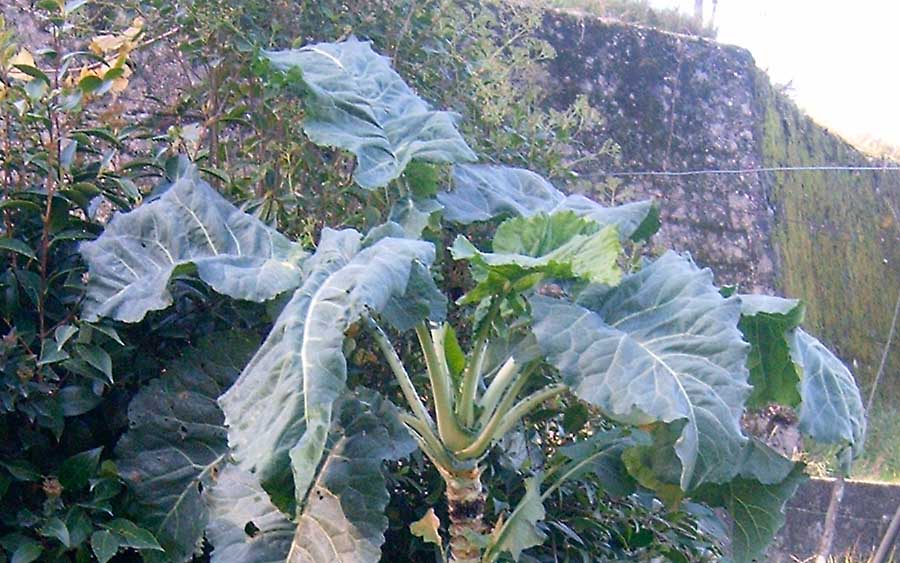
(662, 352)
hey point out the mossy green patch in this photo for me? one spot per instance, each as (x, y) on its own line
(836, 236)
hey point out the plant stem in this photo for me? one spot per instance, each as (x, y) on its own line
(489, 430)
(452, 435)
(465, 500)
(472, 375)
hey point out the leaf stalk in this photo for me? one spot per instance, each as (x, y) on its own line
(472, 374)
(400, 373)
(449, 429)
(489, 430)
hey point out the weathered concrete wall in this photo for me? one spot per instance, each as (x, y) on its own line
(677, 103)
(863, 518)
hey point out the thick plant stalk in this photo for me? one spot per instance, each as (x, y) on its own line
(465, 499)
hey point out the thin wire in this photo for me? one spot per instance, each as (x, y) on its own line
(706, 172)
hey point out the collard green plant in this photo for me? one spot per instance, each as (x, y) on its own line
(557, 313)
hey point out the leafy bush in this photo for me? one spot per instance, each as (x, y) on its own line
(639, 12)
(558, 313)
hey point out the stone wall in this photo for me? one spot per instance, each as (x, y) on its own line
(863, 518)
(677, 103)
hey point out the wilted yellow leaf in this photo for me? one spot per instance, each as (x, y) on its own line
(23, 57)
(427, 528)
(136, 26)
(119, 85)
(105, 44)
(73, 80)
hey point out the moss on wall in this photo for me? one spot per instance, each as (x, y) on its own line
(676, 103)
(837, 239)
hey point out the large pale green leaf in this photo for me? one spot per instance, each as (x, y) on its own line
(790, 367)
(762, 463)
(264, 408)
(414, 215)
(283, 399)
(244, 525)
(421, 300)
(765, 322)
(343, 519)
(520, 530)
(831, 410)
(591, 257)
(757, 511)
(483, 192)
(663, 346)
(176, 441)
(358, 103)
(131, 263)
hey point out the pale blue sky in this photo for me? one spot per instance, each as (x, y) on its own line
(842, 57)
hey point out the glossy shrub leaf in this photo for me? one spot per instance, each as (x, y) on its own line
(75, 471)
(831, 410)
(284, 397)
(78, 399)
(663, 346)
(132, 535)
(17, 246)
(56, 528)
(105, 545)
(756, 510)
(483, 192)
(358, 103)
(27, 552)
(177, 441)
(131, 263)
(244, 525)
(344, 517)
(765, 322)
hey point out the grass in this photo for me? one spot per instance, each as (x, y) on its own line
(638, 12)
(881, 459)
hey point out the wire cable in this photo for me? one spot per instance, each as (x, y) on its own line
(762, 169)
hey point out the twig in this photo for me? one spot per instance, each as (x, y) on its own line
(887, 542)
(837, 493)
